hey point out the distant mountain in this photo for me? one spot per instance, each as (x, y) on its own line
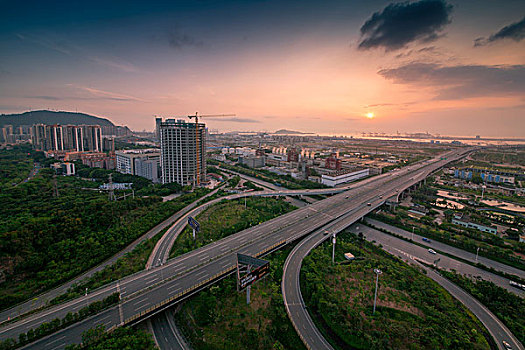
(50, 117)
(284, 131)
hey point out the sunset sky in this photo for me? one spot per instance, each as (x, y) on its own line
(329, 67)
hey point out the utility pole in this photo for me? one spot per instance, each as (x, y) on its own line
(377, 272)
(111, 191)
(248, 290)
(412, 233)
(55, 186)
(333, 249)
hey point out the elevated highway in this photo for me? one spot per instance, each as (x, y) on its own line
(149, 292)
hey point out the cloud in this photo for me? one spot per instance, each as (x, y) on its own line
(115, 63)
(179, 40)
(104, 95)
(402, 23)
(461, 81)
(44, 97)
(236, 120)
(514, 31)
(63, 46)
(57, 45)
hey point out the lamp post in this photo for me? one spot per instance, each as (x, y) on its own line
(477, 252)
(377, 272)
(412, 232)
(333, 249)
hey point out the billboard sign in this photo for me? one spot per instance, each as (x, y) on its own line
(261, 269)
(194, 224)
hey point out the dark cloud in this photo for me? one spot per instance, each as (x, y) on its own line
(402, 23)
(514, 31)
(461, 81)
(179, 40)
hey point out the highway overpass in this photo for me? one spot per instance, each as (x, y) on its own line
(149, 292)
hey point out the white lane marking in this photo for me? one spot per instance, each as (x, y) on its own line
(140, 301)
(203, 272)
(173, 287)
(57, 339)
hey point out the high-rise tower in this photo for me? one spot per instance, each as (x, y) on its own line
(178, 144)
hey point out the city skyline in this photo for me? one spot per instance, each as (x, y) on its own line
(447, 67)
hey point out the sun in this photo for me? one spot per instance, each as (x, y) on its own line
(370, 115)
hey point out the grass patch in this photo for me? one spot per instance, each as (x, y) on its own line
(413, 312)
(507, 306)
(228, 217)
(219, 318)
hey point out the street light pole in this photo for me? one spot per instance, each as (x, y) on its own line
(377, 272)
(477, 252)
(412, 232)
(333, 249)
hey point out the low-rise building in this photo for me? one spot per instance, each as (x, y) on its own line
(463, 220)
(252, 162)
(145, 163)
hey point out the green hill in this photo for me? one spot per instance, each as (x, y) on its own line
(50, 117)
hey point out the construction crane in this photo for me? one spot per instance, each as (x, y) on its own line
(197, 116)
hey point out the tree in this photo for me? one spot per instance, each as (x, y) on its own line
(93, 335)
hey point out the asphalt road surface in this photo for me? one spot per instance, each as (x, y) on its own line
(304, 324)
(449, 249)
(399, 246)
(144, 292)
(414, 253)
(43, 299)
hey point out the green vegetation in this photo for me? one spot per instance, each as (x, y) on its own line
(123, 338)
(52, 117)
(58, 324)
(491, 246)
(141, 185)
(514, 156)
(130, 263)
(228, 217)
(411, 160)
(283, 180)
(413, 312)
(46, 239)
(250, 185)
(479, 265)
(507, 306)
(16, 164)
(234, 181)
(220, 318)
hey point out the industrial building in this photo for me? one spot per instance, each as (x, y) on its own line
(465, 221)
(183, 152)
(343, 176)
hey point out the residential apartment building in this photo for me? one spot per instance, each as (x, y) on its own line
(78, 138)
(143, 163)
(183, 152)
